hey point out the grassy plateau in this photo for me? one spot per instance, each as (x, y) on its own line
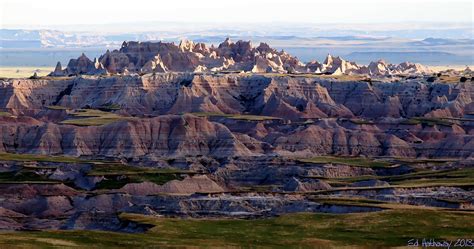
(235, 116)
(92, 117)
(351, 161)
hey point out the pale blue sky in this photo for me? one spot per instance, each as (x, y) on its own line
(47, 13)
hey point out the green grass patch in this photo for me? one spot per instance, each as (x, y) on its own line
(24, 176)
(39, 158)
(351, 161)
(363, 202)
(426, 160)
(120, 169)
(57, 107)
(345, 181)
(117, 175)
(91, 121)
(5, 114)
(91, 113)
(235, 116)
(428, 121)
(359, 121)
(388, 228)
(110, 107)
(455, 177)
(452, 177)
(114, 182)
(92, 117)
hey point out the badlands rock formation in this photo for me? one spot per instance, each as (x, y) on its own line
(302, 116)
(338, 66)
(169, 130)
(162, 136)
(190, 185)
(289, 98)
(159, 57)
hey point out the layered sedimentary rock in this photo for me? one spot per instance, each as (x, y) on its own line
(149, 57)
(81, 65)
(193, 136)
(166, 135)
(285, 97)
(58, 70)
(338, 66)
(309, 116)
(189, 185)
(187, 56)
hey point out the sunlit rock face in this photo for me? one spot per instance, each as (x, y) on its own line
(187, 56)
(324, 102)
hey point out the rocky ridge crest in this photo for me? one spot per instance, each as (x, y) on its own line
(187, 56)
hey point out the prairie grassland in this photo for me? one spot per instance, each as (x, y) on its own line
(455, 67)
(24, 72)
(389, 228)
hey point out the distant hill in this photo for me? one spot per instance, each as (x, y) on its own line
(20, 47)
(432, 58)
(439, 41)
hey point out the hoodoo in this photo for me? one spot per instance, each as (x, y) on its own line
(152, 57)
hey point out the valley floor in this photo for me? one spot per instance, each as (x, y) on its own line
(392, 228)
(23, 72)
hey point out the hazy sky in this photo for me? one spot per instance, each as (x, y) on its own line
(47, 13)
